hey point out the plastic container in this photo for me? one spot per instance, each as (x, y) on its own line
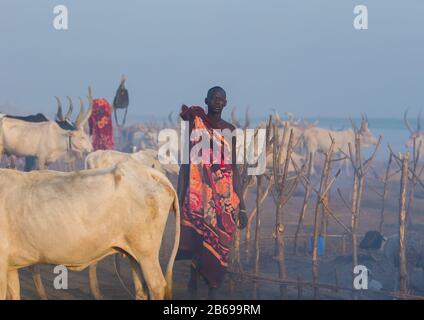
(320, 247)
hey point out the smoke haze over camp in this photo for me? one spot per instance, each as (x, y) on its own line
(299, 56)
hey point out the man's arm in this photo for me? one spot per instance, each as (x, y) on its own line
(184, 174)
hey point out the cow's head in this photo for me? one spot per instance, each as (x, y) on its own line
(367, 137)
(416, 135)
(64, 121)
(80, 143)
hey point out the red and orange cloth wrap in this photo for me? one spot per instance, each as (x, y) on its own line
(209, 209)
(100, 124)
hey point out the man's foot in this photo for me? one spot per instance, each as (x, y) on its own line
(212, 293)
(192, 283)
(192, 290)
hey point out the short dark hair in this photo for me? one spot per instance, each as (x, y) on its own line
(211, 91)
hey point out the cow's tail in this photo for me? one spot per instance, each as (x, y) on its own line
(86, 162)
(1, 137)
(169, 268)
(117, 266)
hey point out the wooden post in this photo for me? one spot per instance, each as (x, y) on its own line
(324, 217)
(415, 158)
(354, 205)
(360, 171)
(280, 227)
(299, 288)
(252, 215)
(257, 237)
(358, 186)
(403, 275)
(308, 188)
(315, 271)
(386, 178)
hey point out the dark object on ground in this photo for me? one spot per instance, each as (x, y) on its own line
(372, 240)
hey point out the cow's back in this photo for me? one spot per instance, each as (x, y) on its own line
(22, 138)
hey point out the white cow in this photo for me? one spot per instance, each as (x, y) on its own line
(45, 140)
(76, 219)
(298, 131)
(318, 139)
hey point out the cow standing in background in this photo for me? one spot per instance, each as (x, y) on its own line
(46, 141)
(319, 140)
(63, 121)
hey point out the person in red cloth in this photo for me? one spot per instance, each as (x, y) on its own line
(100, 124)
(210, 197)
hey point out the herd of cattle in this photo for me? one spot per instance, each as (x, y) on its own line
(77, 218)
(119, 203)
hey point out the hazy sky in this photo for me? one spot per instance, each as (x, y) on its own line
(299, 56)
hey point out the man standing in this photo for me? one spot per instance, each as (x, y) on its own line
(210, 197)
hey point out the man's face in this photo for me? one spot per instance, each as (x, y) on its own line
(216, 101)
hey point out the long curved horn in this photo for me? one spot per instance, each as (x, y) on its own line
(71, 108)
(366, 122)
(363, 123)
(90, 108)
(59, 114)
(80, 114)
(234, 121)
(170, 117)
(278, 118)
(247, 118)
(405, 119)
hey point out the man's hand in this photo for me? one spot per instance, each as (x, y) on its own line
(242, 221)
(183, 108)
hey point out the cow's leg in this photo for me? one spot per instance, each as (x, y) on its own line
(12, 164)
(137, 276)
(41, 163)
(30, 163)
(3, 281)
(39, 287)
(13, 287)
(153, 276)
(94, 284)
